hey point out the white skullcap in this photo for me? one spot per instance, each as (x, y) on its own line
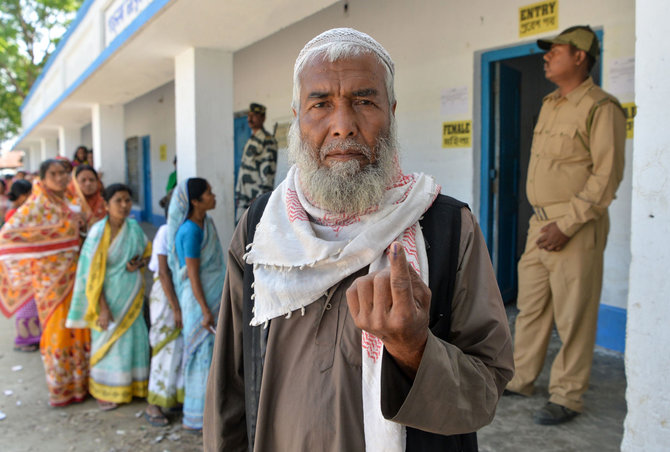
(343, 35)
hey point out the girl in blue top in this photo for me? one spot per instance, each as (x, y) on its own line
(196, 260)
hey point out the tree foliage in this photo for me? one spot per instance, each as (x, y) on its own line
(29, 33)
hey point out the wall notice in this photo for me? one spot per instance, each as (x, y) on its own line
(538, 18)
(162, 152)
(622, 76)
(457, 134)
(631, 110)
(455, 102)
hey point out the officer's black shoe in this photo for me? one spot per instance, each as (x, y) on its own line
(552, 414)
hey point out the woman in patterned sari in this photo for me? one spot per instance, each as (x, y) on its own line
(195, 258)
(27, 320)
(108, 298)
(166, 388)
(38, 257)
(87, 187)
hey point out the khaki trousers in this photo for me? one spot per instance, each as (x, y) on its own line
(561, 287)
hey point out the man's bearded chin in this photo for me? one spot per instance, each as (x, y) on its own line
(344, 187)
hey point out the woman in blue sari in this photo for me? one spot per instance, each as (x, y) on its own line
(108, 298)
(197, 264)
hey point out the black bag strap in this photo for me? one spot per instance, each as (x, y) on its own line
(253, 338)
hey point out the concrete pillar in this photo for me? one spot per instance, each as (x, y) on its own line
(204, 127)
(34, 153)
(48, 148)
(26, 160)
(109, 156)
(68, 140)
(647, 425)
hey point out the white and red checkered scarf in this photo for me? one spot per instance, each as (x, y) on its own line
(300, 251)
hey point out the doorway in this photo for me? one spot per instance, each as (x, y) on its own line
(147, 212)
(138, 175)
(513, 86)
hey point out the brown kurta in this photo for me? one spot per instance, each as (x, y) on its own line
(311, 389)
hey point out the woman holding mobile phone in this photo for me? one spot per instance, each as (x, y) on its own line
(108, 298)
(197, 264)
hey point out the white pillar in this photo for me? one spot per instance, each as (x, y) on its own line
(647, 425)
(35, 152)
(26, 162)
(48, 148)
(68, 140)
(204, 127)
(109, 155)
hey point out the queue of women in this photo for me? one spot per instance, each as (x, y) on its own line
(71, 265)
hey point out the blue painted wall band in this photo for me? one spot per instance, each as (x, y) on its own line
(611, 332)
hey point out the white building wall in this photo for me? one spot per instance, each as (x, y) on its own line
(435, 53)
(647, 425)
(153, 114)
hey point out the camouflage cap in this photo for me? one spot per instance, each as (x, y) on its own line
(257, 108)
(580, 36)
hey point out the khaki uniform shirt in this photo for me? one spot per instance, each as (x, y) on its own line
(574, 164)
(311, 396)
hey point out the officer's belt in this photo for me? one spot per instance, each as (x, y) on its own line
(552, 211)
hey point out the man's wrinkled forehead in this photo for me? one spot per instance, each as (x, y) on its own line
(364, 72)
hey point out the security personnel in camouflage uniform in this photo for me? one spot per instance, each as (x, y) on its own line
(259, 162)
(576, 164)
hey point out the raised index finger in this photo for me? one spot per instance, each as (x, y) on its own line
(401, 283)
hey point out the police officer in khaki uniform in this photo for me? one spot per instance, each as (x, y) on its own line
(576, 164)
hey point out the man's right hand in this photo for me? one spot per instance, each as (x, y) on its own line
(552, 239)
(394, 305)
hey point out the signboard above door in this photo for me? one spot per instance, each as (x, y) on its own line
(538, 18)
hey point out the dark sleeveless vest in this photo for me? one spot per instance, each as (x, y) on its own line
(442, 233)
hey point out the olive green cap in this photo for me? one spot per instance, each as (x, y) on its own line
(581, 37)
(257, 108)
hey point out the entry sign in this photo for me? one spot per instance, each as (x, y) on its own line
(538, 18)
(631, 111)
(457, 134)
(162, 152)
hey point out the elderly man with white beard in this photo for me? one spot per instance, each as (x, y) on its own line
(360, 310)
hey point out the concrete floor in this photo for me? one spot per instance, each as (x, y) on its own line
(599, 428)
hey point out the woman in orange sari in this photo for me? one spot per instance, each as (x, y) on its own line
(38, 258)
(87, 187)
